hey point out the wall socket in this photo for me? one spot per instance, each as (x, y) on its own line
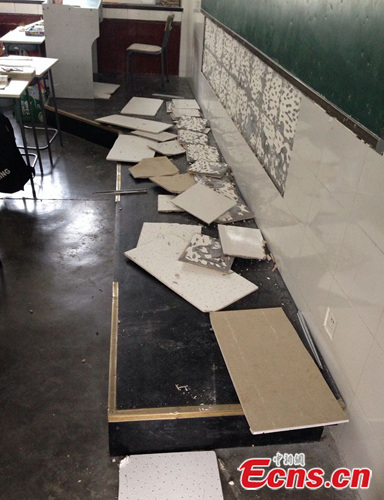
(330, 323)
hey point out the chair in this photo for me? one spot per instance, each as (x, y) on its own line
(153, 50)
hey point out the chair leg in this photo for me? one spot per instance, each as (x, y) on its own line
(162, 69)
(166, 64)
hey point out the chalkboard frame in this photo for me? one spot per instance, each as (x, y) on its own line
(357, 128)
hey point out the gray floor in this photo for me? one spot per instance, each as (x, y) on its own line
(55, 305)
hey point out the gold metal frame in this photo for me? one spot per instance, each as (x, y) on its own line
(145, 414)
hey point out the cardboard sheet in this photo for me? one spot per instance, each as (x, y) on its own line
(135, 123)
(278, 383)
(175, 183)
(150, 167)
(175, 476)
(204, 203)
(142, 106)
(130, 149)
(203, 288)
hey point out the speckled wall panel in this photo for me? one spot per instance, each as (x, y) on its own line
(333, 46)
(262, 104)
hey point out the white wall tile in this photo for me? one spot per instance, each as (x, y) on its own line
(360, 273)
(380, 332)
(342, 163)
(327, 222)
(311, 134)
(370, 393)
(360, 448)
(313, 278)
(23, 8)
(368, 210)
(352, 340)
(7, 8)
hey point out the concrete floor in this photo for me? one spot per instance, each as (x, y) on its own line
(55, 305)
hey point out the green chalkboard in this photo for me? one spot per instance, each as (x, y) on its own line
(335, 47)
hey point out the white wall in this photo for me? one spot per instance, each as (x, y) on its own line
(328, 234)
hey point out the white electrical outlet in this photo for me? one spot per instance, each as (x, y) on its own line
(330, 323)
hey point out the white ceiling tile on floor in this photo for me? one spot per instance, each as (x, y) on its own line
(161, 137)
(142, 106)
(169, 148)
(244, 242)
(104, 88)
(165, 204)
(130, 149)
(134, 123)
(179, 112)
(185, 103)
(204, 203)
(174, 476)
(152, 230)
(206, 290)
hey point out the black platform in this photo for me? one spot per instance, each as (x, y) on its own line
(159, 342)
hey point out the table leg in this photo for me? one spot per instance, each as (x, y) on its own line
(55, 105)
(19, 114)
(34, 133)
(45, 121)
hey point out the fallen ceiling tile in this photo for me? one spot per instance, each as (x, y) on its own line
(142, 106)
(151, 167)
(165, 204)
(278, 384)
(152, 230)
(130, 149)
(207, 252)
(135, 123)
(206, 290)
(203, 203)
(177, 183)
(161, 137)
(244, 242)
(170, 148)
(175, 476)
(208, 168)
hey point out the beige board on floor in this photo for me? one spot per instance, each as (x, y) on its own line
(177, 183)
(204, 203)
(150, 167)
(185, 103)
(130, 149)
(161, 137)
(278, 384)
(142, 106)
(203, 288)
(135, 123)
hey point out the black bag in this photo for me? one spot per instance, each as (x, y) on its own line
(14, 172)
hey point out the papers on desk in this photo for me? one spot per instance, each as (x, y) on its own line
(17, 72)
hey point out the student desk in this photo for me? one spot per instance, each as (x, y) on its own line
(43, 67)
(17, 36)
